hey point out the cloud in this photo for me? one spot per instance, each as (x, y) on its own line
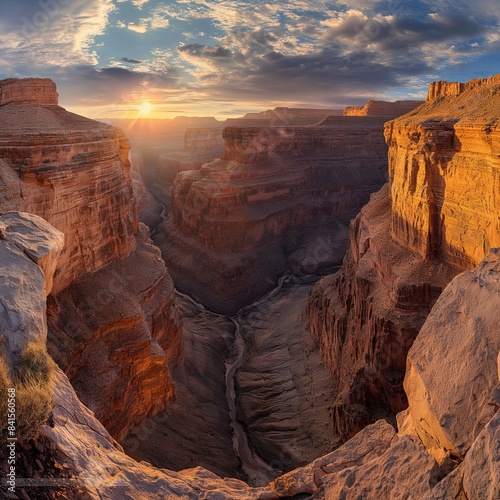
(131, 61)
(196, 50)
(39, 33)
(138, 28)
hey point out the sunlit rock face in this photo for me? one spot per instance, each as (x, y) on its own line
(444, 170)
(72, 171)
(438, 216)
(112, 323)
(280, 198)
(382, 108)
(28, 91)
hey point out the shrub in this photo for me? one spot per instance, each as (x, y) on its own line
(31, 379)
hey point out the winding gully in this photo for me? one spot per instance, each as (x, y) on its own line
(258, 472)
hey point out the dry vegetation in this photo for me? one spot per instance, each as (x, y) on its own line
(31, 379)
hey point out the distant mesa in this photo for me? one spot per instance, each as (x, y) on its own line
(41, 91)
(382, 108)
(447, 89)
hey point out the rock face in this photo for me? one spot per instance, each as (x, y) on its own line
(203, 139)
(104, 331)
(439, 216)
(73, 172)
(115, 344)
(367, 315)
(449, 89)
(239, 222)
(382, 108)
(29, 249)
(449, 412)
(444, 170)
(28, 91)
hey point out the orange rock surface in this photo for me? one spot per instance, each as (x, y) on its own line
(239, 222)
(382, 108)
(111, 308)
(439, 216)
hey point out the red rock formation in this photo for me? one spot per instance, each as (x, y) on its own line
(203, 139)
(283, 116)
(104, 331)
(448, 89)
(439, 216)
(236, 221)
(73, 172)
(444, 170)
(28, 90)
(382, 108)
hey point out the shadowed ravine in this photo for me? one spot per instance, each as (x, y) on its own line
(207, 424)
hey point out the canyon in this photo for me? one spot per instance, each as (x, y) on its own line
(380, 379)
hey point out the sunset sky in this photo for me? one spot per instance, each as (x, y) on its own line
(113, 58)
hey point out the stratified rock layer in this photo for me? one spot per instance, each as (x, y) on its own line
(73, 172)
(28, 90)
(239, 222)
(440, 216)
(444, 167)
(382, 108)
(111, 303)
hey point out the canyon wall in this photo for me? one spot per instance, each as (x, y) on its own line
(438, 216)
(382, 108)
(203, 139)
(107, 317)
(279, 198)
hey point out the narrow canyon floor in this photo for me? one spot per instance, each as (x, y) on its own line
(283, 392)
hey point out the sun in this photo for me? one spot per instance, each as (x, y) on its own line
(145, 108)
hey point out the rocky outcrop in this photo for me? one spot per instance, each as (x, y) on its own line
(439, 216)
(382, 108)
(366, 317)
(449, 412)
(444, 164)
(449, 89)
(28, 91)
(113, 333)
(239, 222)
(29, 249)
(74, 173)
(111, 302)
(203, 139)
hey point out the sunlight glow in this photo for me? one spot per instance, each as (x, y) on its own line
(145, 108)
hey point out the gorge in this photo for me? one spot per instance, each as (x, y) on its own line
(326, 294)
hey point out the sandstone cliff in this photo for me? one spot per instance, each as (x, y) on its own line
(439, 216)
(107, 317)
(203, 139)
(239, 222)
(382, 108)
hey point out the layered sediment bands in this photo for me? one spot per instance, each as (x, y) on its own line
(203, 139)
(440, 216)
(367, 316)
(113, 333)
(285, 391)
(450, 89)
(73, 172)
(444, 167)
(28, 90)
(382, 108)
(239, 222)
